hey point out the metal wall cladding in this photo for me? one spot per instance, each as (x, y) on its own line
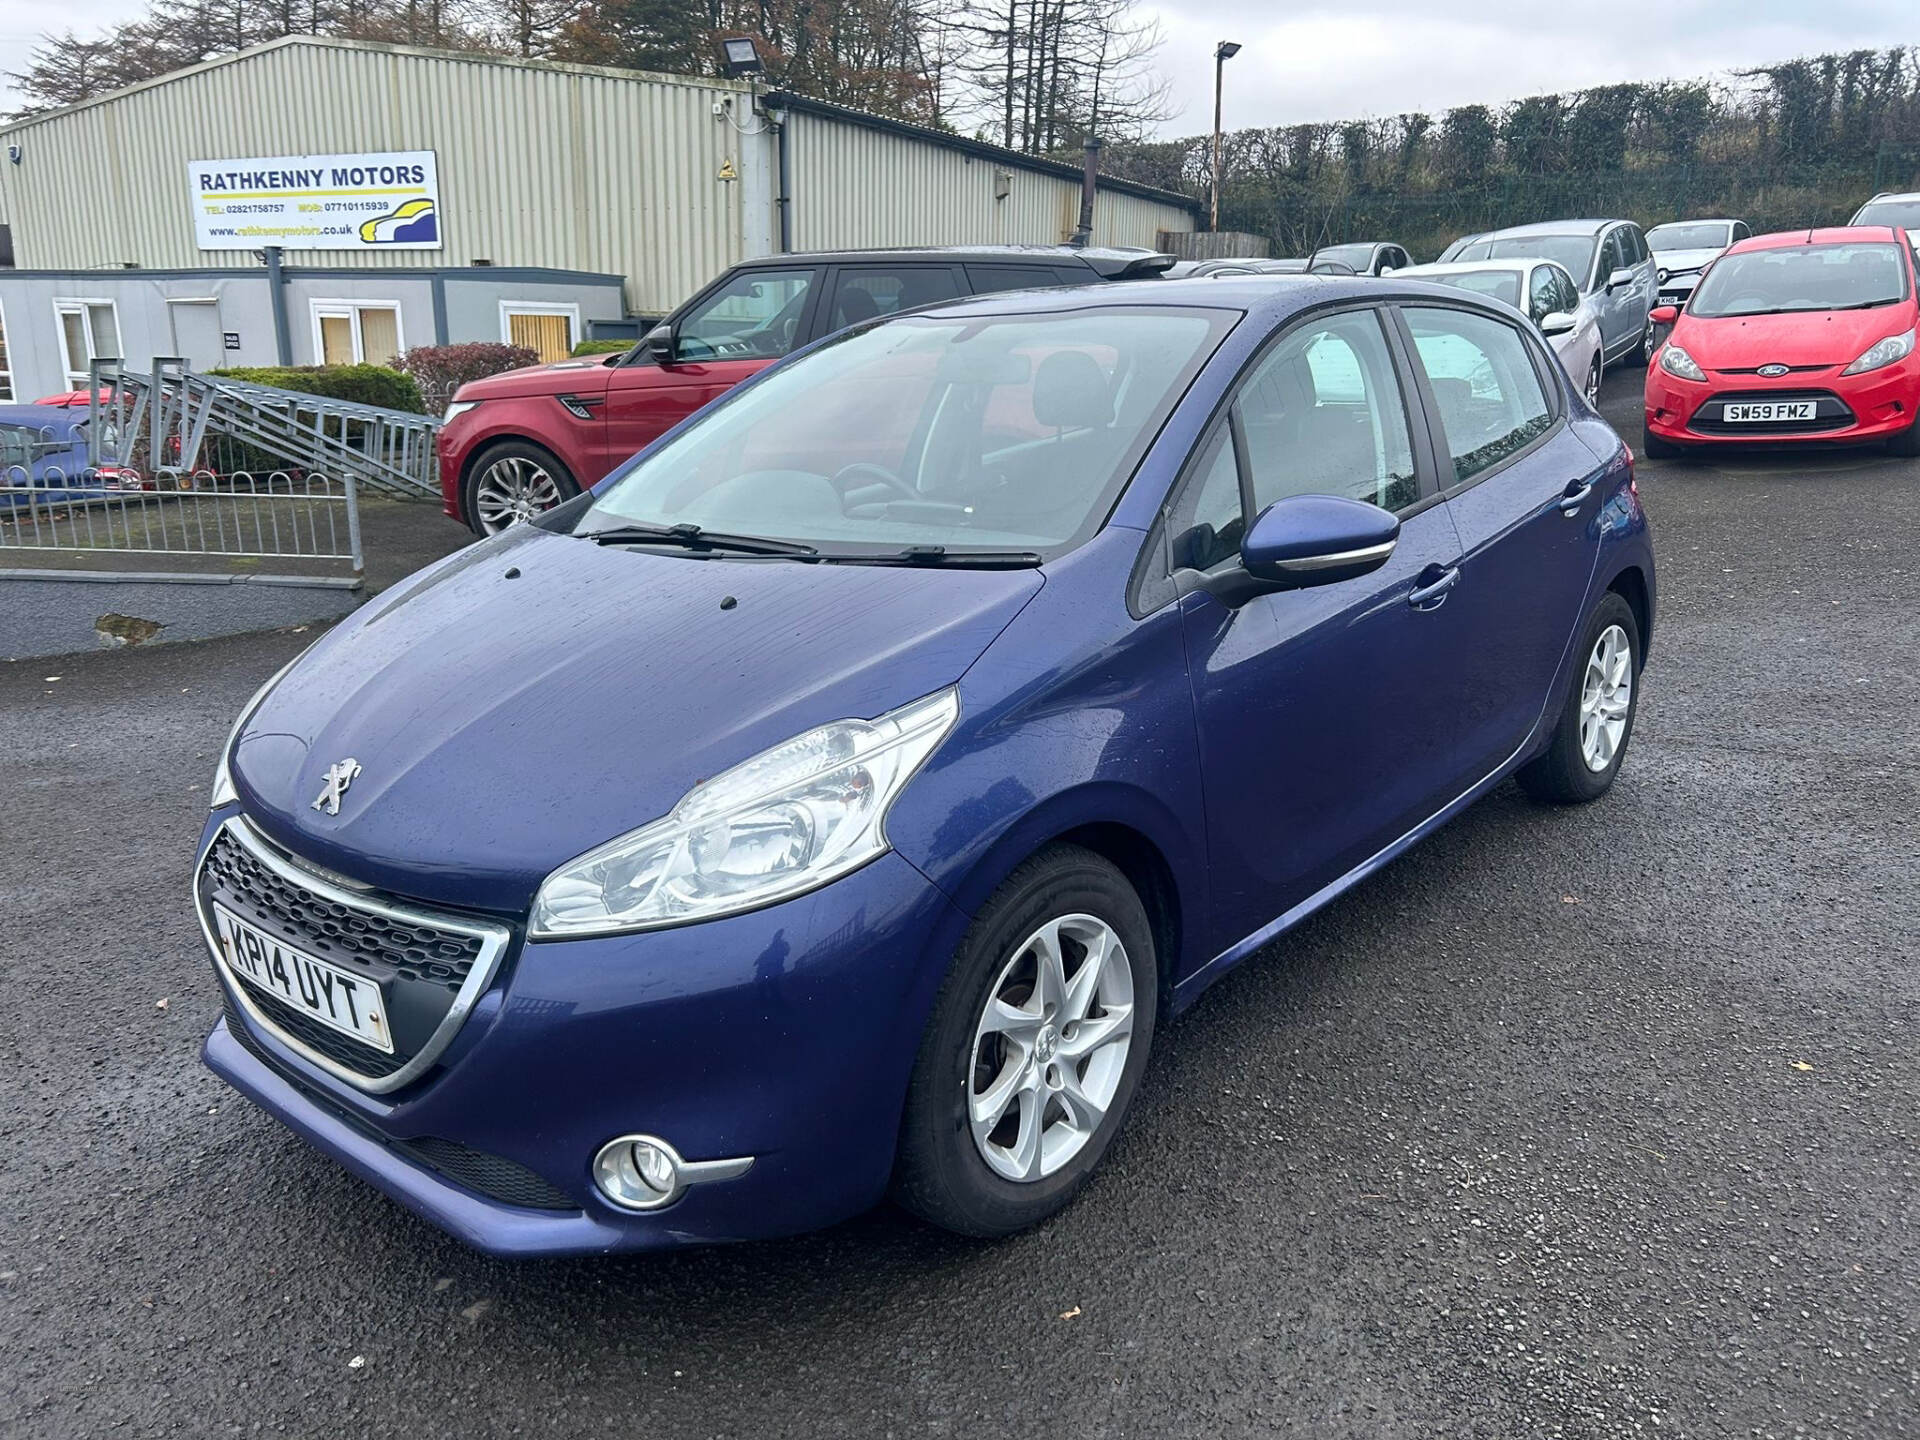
(539, 165)
(856, 186)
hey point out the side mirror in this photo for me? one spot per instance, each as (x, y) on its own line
(1664, 314)
(1386, 270)
(658, 343)
(1560, 322)
(1307, 540)
(1622, 276)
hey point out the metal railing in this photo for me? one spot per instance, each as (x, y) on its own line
(114, 510)
(171, 419)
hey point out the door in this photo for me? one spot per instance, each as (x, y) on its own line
(1322, 712)
(1615, 304)
(196, 332)
(1524, 501)
(730, 332)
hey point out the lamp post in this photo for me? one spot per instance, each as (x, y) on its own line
(1222, 53)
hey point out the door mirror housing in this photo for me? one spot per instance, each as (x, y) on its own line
(1620, 277)
(659, 343)
(1306, 540)
(1560, 322)
(1664, 314)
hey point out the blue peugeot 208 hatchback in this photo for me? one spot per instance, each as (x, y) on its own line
(837, 799)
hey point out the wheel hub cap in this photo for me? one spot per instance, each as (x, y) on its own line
(1050, 1047)
(1606, 694)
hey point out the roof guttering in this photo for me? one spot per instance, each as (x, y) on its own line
(806, 105)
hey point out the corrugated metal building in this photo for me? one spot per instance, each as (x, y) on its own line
(555, 178)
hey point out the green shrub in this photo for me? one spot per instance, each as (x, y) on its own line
(361, 384)
(602, 347)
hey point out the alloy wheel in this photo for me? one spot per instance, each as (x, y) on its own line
(1593, 383)
(1606, 692)
(511, 489)
(1050, 1047)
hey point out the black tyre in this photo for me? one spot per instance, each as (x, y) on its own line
(1026, 1070)
(1590, 741)
(1596, 373)
(511, 481)
(1654, 448)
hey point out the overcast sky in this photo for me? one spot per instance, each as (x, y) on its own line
(1339, 59)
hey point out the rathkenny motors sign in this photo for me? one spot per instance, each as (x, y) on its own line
(386, 200)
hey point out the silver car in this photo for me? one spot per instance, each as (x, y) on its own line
(1608, 260)
(1684, 249)
(1900, 211)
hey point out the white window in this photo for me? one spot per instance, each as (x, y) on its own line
(550, 331)
(89, 331)
(6, 365)
(356, 332)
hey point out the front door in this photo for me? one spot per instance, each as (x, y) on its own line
(1322, 712)
(730, 333)
(196, 333)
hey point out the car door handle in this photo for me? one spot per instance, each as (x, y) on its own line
(1433, 593)
(1574, 496)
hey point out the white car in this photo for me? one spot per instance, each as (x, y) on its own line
(1900, 211)
(1684, 249)
(1543, 291)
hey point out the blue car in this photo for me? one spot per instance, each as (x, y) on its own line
(835, 801)
(44, 457)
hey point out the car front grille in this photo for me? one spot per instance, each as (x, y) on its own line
(1830, 413)
(429, 967)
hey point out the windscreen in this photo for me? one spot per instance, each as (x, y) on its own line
(1901, 214)
(1573, 253)
(991, 433)
(1801, 277)
(1500, 284)
(1692, 235)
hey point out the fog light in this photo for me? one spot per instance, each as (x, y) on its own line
(643, 1172)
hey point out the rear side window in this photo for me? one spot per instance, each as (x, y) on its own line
(1323, 415)
(869, 292)
(1491, 402)
(989, 279)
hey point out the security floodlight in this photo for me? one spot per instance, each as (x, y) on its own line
(740, 56)
(1228, 49)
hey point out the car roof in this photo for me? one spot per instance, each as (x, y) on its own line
(1699, 220)
(1082, 253)
(1519, 264)
(1267, 299)
(1895, 195)
(1550, 227)
(47, 417)
(1832, 235)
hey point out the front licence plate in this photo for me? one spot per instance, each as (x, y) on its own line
(1774, 410)
(351, 1004)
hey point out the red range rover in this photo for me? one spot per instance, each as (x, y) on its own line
(516, 444)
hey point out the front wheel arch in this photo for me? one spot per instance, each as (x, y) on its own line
(490, 449)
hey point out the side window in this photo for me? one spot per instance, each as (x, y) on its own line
(1489, 395)
(1613, 255)
(753, 315)
(1323, 415)
(1206, 523)
(1568, 298)
(873, 291)
(1740, 231)
(989, 279)
(1543, 294)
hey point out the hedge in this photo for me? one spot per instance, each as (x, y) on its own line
(361, 384)
(602, 347)
(440, 370)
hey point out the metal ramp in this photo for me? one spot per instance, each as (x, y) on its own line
(172, 420)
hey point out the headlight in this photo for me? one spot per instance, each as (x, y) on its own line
(223, 791)
(1676, 361)
(785, 822)
(456, 410)
(1890, 350)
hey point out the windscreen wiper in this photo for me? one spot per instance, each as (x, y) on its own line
(692, 537)
(939, 555)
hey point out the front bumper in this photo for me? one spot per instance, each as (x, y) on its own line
(786, 1035)
(1851, 410)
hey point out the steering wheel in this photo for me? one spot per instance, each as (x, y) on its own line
(849, 477)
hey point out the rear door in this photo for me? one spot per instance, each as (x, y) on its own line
(733, 330)
(1523, 496)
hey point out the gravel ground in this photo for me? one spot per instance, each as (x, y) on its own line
(1572, 1123)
